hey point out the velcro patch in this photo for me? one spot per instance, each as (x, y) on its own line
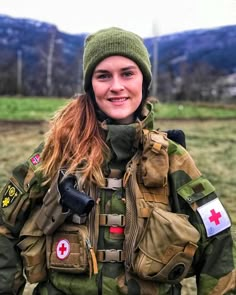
(116, 230)
(35, 160)
(214, 217)
(10, 194)
(63, 249)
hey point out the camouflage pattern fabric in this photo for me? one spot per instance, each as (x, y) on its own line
(214, 261)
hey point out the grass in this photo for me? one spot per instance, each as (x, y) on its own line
(190, 111)
(32, 108)
(36, 108)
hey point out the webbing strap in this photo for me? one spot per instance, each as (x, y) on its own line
(113, 183)
(115, 173)
(156, 147)
(190, 249)
(144, 212)
(37, 276)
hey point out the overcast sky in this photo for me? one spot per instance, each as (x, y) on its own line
(145, 17)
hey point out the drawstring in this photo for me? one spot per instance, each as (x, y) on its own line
(176, 289)
(99, 282)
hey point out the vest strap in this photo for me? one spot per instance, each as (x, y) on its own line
(190, 249)
(111, 220)
(111, 255)
(115, 173)
(144, 212)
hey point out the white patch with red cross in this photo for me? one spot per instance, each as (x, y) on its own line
(63, 249)
(214, 217)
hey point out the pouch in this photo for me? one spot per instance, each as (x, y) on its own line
(33, 250)
(155, 157)
(67, 250)
(33, 256)
(51, 215)
(166, 248)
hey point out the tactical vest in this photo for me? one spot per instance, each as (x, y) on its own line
(131, 225)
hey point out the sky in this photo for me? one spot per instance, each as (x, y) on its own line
(144, 17)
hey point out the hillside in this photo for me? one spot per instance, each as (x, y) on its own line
(38, 59)
(214, 46)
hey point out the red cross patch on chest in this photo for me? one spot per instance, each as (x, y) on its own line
(214, 217)
(63, 249)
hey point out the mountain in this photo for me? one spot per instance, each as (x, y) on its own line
(215, 47)
(38, 59)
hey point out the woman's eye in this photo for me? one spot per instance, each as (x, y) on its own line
(127, 74)
(102, 76)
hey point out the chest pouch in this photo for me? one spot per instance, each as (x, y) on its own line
(166, 248)
(154, 156)
(69, 250)
(160, 244)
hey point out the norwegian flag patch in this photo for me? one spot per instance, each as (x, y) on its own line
(214, 217)
(35, 159)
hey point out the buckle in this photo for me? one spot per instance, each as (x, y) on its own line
(111, 255)
(112, 220)
(113, 183)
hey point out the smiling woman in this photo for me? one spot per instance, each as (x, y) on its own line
(107, 204)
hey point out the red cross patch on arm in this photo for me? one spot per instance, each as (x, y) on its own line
(214, 217)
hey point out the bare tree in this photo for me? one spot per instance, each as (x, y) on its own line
(155, 57)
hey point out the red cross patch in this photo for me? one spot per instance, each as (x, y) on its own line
(214, 217)
(63, 249)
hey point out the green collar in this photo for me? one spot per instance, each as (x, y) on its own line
(123, 140)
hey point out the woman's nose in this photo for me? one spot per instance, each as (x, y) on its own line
(116, 85)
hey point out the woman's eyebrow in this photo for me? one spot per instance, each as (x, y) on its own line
(100, 71)
(128, 68)
(122, 69)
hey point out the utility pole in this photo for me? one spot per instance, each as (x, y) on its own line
(50, 61)
(19, 72)
(155, 59)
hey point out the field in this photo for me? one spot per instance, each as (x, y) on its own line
(210, 142)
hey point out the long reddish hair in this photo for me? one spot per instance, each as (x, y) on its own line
(74, 141)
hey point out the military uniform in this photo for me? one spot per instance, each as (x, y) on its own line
(125, 228)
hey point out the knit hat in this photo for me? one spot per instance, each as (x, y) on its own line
(114, 41)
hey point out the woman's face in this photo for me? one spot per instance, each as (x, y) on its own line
(117, 84)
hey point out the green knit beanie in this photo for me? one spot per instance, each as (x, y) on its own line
(114, 41)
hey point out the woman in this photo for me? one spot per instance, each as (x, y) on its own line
(107, 206)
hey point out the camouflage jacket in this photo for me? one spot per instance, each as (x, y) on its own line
(188, 192)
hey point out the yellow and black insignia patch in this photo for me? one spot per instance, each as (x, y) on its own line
(10, 194)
